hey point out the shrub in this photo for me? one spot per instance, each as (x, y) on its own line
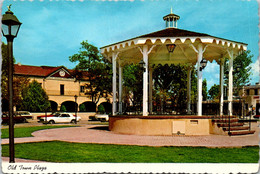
(101, 109)
(82, 108)
(63, 108)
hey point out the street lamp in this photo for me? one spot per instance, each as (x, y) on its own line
(203, 64)
(76, 108)
(10, 28)
(170, 47)
(142, 65)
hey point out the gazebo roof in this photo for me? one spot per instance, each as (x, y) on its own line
(173, 32)
(184, 53)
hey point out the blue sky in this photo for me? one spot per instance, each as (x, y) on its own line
(52, 30)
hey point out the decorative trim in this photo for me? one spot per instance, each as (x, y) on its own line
(142, 41)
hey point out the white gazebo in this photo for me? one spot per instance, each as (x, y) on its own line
(172, 46)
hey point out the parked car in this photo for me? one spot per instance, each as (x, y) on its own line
(100, 117)
(60, 118)
(25, 114)
(17, 118)
(50, 115)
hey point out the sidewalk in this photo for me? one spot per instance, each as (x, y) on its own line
(98, 134)
(95, 134)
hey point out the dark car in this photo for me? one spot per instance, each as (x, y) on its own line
(17, 118)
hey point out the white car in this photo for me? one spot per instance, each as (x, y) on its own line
(101, 117)
(60, 118)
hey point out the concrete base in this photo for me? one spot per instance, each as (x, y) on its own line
(161, 125)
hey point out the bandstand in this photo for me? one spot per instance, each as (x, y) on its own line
(169, 46)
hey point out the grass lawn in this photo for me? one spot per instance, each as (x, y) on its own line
(27, 131)
(58, 151)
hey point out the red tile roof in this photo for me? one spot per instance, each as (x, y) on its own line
(41, 71)
(44, 71)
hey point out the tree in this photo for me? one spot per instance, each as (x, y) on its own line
(241, 71)
(133, 84)
(98, 71)
(204, 90)
(170, 82)
(214, 92)
(34, 98)
(19, 83)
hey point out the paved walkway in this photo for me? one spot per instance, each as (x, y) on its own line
(91, 134)
(98, 134)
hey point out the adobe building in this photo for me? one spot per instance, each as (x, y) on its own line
(62, 85)
(251, 96)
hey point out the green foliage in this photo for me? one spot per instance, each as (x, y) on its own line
(63, 108)
(100, 81)
(82, 108)
(101, 109)
(34, 98)
(19, 83)
(170, 82)
(109, 153)
(133, 84)
(241, 76)
(20, 132)
(214, 91)
(204, 90)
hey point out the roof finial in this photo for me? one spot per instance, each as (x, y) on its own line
(171, 10)
(9, 7)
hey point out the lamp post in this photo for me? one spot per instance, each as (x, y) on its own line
(10, 28)
(76, 108)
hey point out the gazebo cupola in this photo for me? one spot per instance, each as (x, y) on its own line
(171, 20)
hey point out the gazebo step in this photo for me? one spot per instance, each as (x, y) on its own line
(236, 128)
(241, 133)
(227, 121)
(231, 124)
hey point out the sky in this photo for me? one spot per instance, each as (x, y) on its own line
(52, 30)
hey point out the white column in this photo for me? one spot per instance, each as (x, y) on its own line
(221, 82)
(120, 87)
(145, 81)
(199, 82)
(230, 82)
(189, 90)
(145, 53)
(114, 56)
(150, 90)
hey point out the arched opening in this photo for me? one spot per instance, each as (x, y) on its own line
(68, 106)
(88, 107)
(107, 106)
(54, 106)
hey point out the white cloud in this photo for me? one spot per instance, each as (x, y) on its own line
(255, 70)
(211, 73)
(212, 68)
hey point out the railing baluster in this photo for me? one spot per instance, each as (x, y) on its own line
(229, 122)
(250, 121)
